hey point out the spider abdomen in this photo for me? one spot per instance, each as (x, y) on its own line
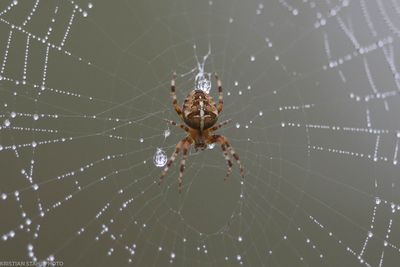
(199, 111)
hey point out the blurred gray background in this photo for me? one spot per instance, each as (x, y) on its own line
(312, 89)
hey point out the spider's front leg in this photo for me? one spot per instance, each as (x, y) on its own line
(228, 161)
(171, 159)
(183, 145)
(225, 146)
(185, 151)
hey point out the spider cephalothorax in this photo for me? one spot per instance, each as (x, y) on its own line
(200, 113)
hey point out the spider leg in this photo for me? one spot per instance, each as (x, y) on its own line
(185, 150)
(220, 95)
(174, 100)
(171, 159)
(222, 140)
(184, 127)
(228, 161)
(216, 127)
(232, 151)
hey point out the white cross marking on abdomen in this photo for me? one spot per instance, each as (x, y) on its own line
(201, 115)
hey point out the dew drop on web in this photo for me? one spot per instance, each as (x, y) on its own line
(160, 158)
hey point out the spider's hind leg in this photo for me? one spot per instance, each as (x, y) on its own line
(220, 94)
(174, 99)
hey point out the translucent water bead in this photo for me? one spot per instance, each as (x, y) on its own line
(160, 158)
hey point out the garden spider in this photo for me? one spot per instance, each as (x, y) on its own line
(199, 113)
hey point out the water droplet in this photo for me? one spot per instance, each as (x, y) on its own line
(211, 146)
(7, 123)
(260, 113)
(11, 233)
(377, 200)
(252, 58)
(167, 133)
(13, 114)
(90, 5)
(141, 140)
(240, 239)
(35, 117)
(237, 125)
(160, 158)
(202, 83)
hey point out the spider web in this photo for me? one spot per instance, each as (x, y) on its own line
(312, 89)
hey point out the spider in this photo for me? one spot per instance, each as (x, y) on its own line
(200, 114)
